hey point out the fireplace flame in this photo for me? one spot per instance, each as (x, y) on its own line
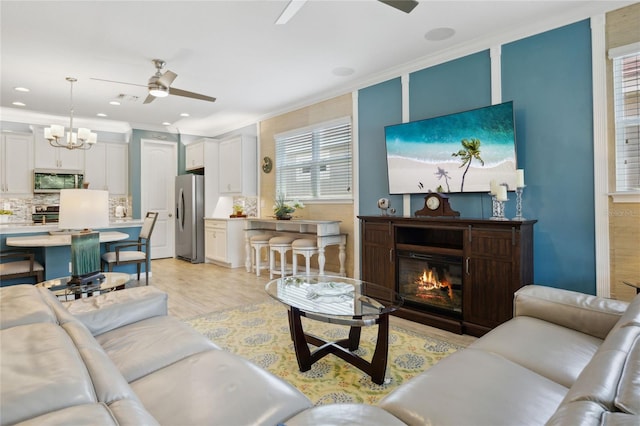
(429, 281)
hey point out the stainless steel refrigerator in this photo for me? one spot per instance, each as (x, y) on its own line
(190, 218)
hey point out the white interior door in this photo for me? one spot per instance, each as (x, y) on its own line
(159, 167)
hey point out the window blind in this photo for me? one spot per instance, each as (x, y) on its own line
(626, 88)
(315, 163)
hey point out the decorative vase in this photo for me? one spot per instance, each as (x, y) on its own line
(285, 217)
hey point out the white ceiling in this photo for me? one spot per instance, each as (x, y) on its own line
(233, 50)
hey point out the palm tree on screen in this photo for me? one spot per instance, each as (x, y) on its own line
(471, 150)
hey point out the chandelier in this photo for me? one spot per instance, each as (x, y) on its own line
(82, 139)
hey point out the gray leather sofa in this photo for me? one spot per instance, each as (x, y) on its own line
(118, 359)
(564, 359)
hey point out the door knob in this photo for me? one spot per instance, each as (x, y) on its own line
(170, 215)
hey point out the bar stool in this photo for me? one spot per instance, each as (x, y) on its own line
(280, 244)
(305, 247)
(258, 242)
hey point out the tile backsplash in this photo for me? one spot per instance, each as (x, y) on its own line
(22, 208)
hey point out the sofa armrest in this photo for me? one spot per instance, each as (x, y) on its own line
(118, 308)
(585, 313)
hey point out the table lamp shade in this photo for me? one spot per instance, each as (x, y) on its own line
(83, 209)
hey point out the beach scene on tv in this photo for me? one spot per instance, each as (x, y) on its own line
(461, 152)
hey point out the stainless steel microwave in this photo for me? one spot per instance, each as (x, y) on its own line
(53, 180)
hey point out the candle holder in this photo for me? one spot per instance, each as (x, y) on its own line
(499, 215)
(494, 205)
(519, 203)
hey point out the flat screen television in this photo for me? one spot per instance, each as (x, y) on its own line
(461, 152)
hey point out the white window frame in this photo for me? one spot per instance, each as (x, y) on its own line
(624, 193)
(313, 135)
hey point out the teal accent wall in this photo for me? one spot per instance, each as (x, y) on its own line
(454, 86)
(378, 106)
(548, 76)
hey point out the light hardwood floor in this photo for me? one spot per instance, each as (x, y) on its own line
(197, 289)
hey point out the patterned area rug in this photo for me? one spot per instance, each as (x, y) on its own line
(260, 333)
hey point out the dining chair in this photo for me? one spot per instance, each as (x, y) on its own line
(128, 252)
(19, 264)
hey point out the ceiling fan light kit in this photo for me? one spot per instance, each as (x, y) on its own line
(82, 139)
(158, 91)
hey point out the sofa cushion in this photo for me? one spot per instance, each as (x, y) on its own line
(475, 387)
(628, 396)
(620, 419)
(344, 414)
(22, 304)
(583, 413)
(119, 308)
(599, 380)
(632, 314)
(143, 347)
(218, 388)
(40, 371)
(555, 352)
(95, 414)
(582, 312)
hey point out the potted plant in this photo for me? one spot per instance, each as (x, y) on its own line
(238, 210)
(4, 215)
(282, 209)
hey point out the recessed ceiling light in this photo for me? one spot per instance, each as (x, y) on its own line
(101, 114)
(343, 71)
(439, 34)
(18, 103)
(184, 114)
(21, 89)
(166, 123)
(114, 103)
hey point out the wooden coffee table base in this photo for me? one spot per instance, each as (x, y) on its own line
(342, 348)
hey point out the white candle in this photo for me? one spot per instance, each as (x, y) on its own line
(501, 193)
(520, 178)
(493, 186)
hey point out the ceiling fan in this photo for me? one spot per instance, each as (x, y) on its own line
(295, 5)
(159, 85)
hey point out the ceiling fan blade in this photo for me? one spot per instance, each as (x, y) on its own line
(149, 99)
(403, 5)
(118, 82)
(167, 78)
(186, 94)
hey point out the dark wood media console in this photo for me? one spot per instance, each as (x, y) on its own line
(495, 259)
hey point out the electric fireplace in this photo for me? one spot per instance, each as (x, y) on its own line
(431, 282)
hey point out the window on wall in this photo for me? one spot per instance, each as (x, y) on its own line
(626, 89)
(315, 163)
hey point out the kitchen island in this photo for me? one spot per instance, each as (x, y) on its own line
(54, 251)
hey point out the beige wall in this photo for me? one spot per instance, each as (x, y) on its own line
(318, 113)
(624, 218)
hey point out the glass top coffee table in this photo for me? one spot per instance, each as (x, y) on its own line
(61, 288)
(337, 300)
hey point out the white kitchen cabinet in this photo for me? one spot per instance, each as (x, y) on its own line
(238, 166)
(194, 155)
(16, 160)
(106, 167)
(49, 157)
(224, 242)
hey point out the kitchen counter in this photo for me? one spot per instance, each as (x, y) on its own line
(59, 240)
(33, 228)
(54, 252)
